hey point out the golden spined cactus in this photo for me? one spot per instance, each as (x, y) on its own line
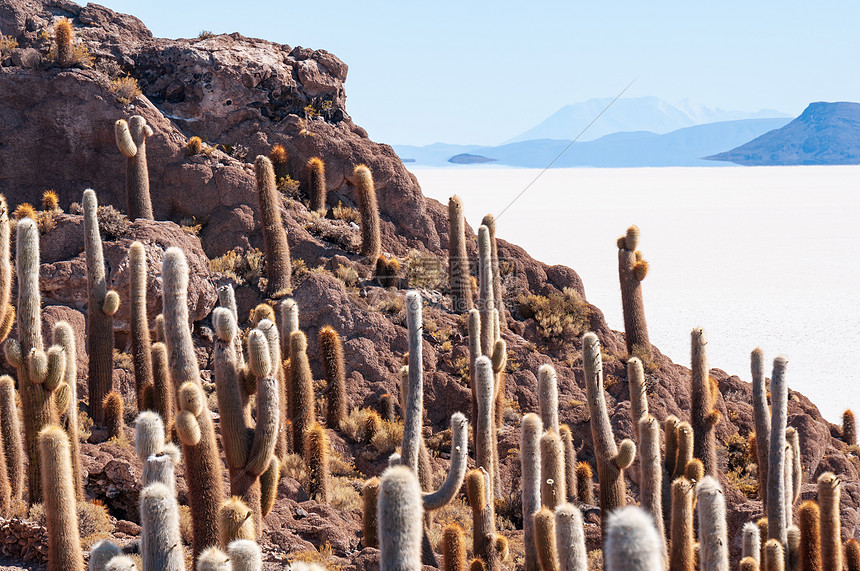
(113, 415)
(371, 236)
(103, 303)
(387, 271)
(317, 449)
(545, 539)
(64, 337)
(131, 140)
(316, 178)
(7, 311)
(235, 521)
(829, 493)
(632, 269)
(64, 37)
(852, 555)
(670, 439)
(141, 347)
(478, 488)
(682, 536)
(849, 428)
(61, 517)
(302, 386)
(552, 470)
(749, 564)
(761, 414)
(585, 483)
(694, 471)
(704, 417)
(458, 258)
(774, 556)
(569, 462)
(331, 349)
(453, 548)
(10, 427)
(278, 262)
(369, 497)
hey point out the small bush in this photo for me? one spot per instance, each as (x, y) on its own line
(346, 213)
(347, 275)
(205, 35)
(288, 186)
(7, 44)
(122, 360)
(94, 522)
(113, 224)
(424, 270)
(194, 146)
(559, 315)
(741, 465)
(344, 496)
(242, 266)
(125, 89)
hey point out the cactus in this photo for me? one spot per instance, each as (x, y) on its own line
(478, 489)
(39, 374)
(453, 548)
(245, 555)
(552, 491)
(776, 516)
(749, 564)
(113, 407)
(792, 439)
(849, 429)
(632, 542)
(369, 496)
(474, 326)
(852, 555)
(235, 521)
(485, 427)
(548, 396)
(792, 556)
(302, 398)
(638, 396)
(774, 555)
(685, 440)
(163, 390)
(704, 417)
(751, 541)
(570, 538)
(670, 437)
(631, 271)
(584, 483)
(331, 350)
(141, 350)
(485, 278)
(213, 559)
(316, 177)
(457, 469)
(317, 452)
(762, 531)
(121, 563)
(413, 405)
(278, 264)
(148, 435)
(498, 301)
(161, 543)
(694, 471)
(714, 543)
(159, 467)
(681, 544)
(158, 330)
(829, 492)
(530, 459)
(809, 520)
(458, 260)
(400, 520)
(131, 140)
(788, 482)
(64, 36)
(761, 413)
(570, 483)
(11, 436)
(103, 303)
(651, 481)
(64, 543)
(270, 330)
(371, 238)
(545, 538)
(7, 311)
(386, 407)
(64, 336)
(101, 553)
(612, 460)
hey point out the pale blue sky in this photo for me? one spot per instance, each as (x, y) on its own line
(482, 72)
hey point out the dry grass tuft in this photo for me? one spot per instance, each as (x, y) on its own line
(125, 89)
(242, 266)
(558, 315)
(346, 213)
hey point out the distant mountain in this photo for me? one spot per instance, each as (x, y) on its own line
(468, 159)
(683, 147)
(824, 134)
(634, 114)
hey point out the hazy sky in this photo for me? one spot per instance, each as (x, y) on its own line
(482, 72)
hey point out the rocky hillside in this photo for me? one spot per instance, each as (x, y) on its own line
(241, 96)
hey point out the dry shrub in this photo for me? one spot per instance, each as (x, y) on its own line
(340, 466)
(559, 315)
(322, 557)
(346, 213)
(741, 468)
(113, 224)
(186, 529)
(293, 466)
(344, 495)
(85, 426)
(288, 186)
(94, 522)
(456, 511)
(242, 266)
(125, 89)
(393, 306)
(388, 437)
(122, 360)
(347, 275)
(424, 270)
(194, 146)
(7, 44)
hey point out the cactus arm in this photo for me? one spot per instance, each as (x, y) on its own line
(137, 173)
(124, 140)
(457, 469)
(626, 454)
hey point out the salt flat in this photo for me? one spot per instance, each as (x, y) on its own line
(761, 256)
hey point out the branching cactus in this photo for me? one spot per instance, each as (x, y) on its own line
(278, 263)
(809, 518)
(141, 348)
(10, 427)
(776, 516)
(530, 459)
(453, 548)
(632, 542)
(273, 338)
(7, 311)
(64, 336)
(371, 236)
(131, 140)
(39, 374)
(400, 520)
(302, 385)
(478, 486)
(704, 417)
(714, 543)
(681, 546)
(571, 485)
(829, 493)
(103, 303)
(570, 538)
(248, 450)
(651, 488)
(761, 413)
(498, 301)
(485, 278)
(161, 543)
(545, 537)
(612, 460)
(61, 516)
(458, 258)
(316, 177)
(548, 396)
(552, 491)
(331, 349)
(632, 269)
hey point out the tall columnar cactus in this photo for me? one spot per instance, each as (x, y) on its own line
(548, 396)
(248, 448)
(400, 520)
(681, 544)
(545, 537)
(776, 516)
(852, 555)
(632, 542)
(474, 326)
(317, 450)
(570, 483)
(809, 519)
(331, 350)
(714, 543)
(829, 492)
(371, 237)
(103, 303)
(113, 411)
(141, 348)
(278, 263)
(792, 556)
(611, 460)
(774, 556)
(61, 516)
(64, 36)
(7, 311)
(279, 372)
(148, 435)
(131, 140)
(302, 385)
(651, 480)
(235, 521)
(704, 417)
(751, 541)
(638, 395)
(670, 437)
(570, 538)
(39, 374)
(64, 336)
(792, 439)
(788, 486)
(316, 178)
(478, 491)
(369, 497)
(453, 548)
(485, 427)
(10, 427)
(245, 555)
(161, 542)
(849, 428)
(552, 490)
(458, 258)
(498, 301)
(685, 439)
(101, 553)
(163, 389)
(761, 413)
(485, 278)
(530, 460)
(632, 269)
(584, 483)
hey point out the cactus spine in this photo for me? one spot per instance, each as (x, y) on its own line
(316, 175)
(548, 396)
(317, 450)
(278, 263)
(829, 492)
(552, 491)
(809, 518)
(335, 374)
(530, 459)
(584, 483)
(161, 542)
(10, 427)
(458, 258)
(776, 492)
(453, 548)
(681, 545)
(714, 545)
(632, 269)
(302, 399)
(141, 348)
(612, 460)
(131, 140)
(651, 489)
(570, 538)
(371, 238)
(400, 520)
(704, 417)
(749, 564)
(761, 412)
(64, 543)
(632, 542)
(498, 302)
